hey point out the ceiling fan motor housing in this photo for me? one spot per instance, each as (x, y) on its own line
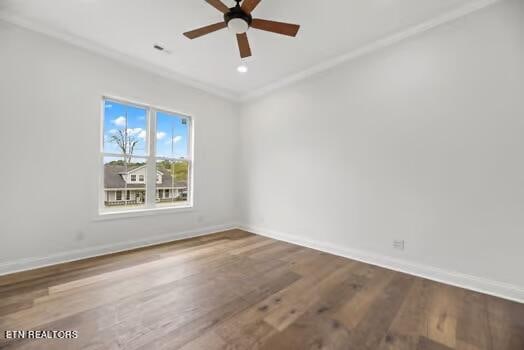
(237, 20)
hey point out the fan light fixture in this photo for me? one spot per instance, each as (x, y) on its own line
(237, 26)
(242, 68)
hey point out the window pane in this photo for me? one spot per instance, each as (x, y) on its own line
(120, 191)
(172, 183)
(172, 132)
(125, 129)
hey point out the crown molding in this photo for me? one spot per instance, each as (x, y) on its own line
(281, 83)
(370, 48)
(118, 56)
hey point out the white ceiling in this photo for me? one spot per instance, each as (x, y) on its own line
(130, 27)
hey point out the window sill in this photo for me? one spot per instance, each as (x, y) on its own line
(142, 213)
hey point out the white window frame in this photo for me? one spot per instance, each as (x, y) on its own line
(150, 158)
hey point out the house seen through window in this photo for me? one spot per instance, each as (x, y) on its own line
(142, 143)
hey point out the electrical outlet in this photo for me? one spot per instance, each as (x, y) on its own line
(398, 244)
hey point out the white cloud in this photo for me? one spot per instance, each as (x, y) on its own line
(120, 121)
(160, 135)
(141, 133)
(109, 106)
(175, 140)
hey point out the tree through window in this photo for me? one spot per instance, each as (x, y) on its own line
(142, 143)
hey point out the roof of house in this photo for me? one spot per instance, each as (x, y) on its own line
(113, 177)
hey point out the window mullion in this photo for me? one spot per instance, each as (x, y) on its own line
(151, 162)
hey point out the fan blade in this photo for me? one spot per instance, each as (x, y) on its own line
(276, 27)
(249, 5)
(205, 30)
(243, 45)
(219, 5)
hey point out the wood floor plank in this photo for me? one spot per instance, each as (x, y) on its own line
(317, 328)
(428, 344)
(372, 328)
(412, 317)
(236, 290)
(357, 308)
(473, 330)
(443, 314)
(506, 323)
(395, 341)
(199, 327)
(250, 247)
(281, 317)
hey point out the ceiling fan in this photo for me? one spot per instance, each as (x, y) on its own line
(238, 20)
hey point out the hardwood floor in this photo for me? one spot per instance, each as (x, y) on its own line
(235, 290)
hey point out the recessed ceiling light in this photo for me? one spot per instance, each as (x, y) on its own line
(242, 68)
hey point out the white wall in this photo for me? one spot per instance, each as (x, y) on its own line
(421, 141)
(50, 95)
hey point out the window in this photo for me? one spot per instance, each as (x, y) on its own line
(173, 161)
(151, 143)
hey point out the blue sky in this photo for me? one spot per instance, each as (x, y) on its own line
(172, 130)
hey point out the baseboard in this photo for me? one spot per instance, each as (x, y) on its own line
(9, 267)
(478, 284)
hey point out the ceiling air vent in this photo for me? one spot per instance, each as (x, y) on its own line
(161, 48)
